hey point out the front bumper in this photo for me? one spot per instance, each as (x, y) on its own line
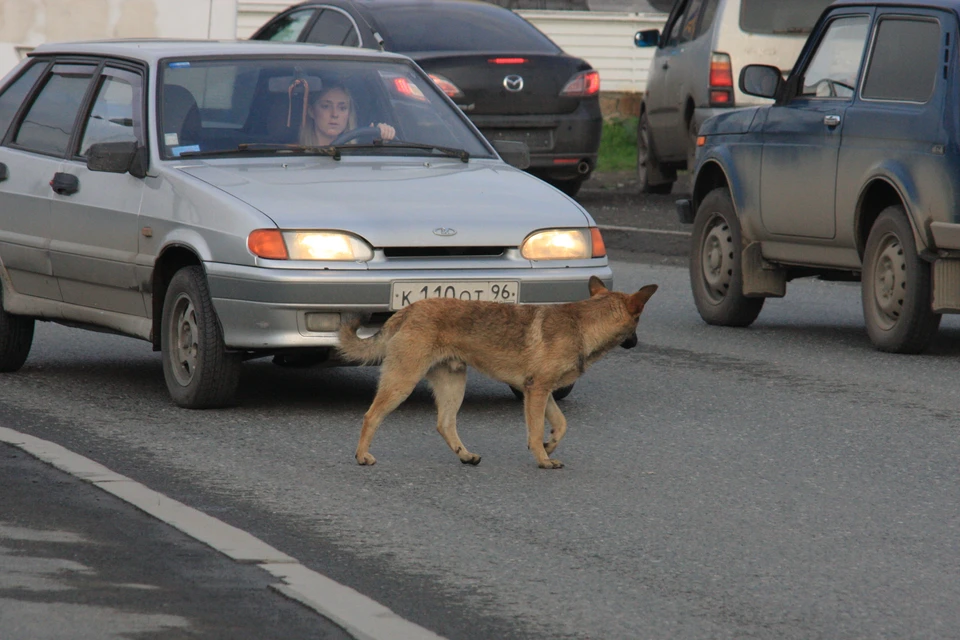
(265, 309)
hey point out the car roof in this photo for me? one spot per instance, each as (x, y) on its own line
(931, 4)
(154, 49)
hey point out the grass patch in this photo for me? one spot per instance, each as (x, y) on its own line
(618, 145)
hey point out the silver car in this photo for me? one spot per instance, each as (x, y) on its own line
(228, 201)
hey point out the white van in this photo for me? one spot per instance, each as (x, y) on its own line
(695, 69)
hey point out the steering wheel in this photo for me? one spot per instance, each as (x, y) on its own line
(363, 135)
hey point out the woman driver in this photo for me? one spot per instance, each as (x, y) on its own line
(330, 114)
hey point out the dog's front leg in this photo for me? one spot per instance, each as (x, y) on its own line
(534, 407)
(558, 425)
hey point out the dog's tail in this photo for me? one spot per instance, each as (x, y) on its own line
(362, 350)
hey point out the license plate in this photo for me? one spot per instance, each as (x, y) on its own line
(535, 139)
(405, 293)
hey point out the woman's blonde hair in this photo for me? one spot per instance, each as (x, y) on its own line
(308, 136)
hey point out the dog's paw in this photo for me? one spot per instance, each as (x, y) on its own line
(550, 464)
(472, 459)
(365, 459)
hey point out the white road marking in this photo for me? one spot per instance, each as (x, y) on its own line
(665, 232)
(362, 617)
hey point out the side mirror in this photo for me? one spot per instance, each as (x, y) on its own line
(513, 152)
(118, 157)
(648, 38)
(761, 80)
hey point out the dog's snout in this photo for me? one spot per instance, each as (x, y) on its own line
(630, 342)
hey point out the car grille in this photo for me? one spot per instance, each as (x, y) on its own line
(443, 252)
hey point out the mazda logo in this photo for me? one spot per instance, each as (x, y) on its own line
(513, 83)
(444, 231)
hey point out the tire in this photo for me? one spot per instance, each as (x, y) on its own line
(199, 371)
(715, 269)
(569, 187)
(558, 394)
(651, 177)
(895, 287)
(16, 338)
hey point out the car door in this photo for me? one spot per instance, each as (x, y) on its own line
(660, 97)
(95, 235)
(33, 151)
(802, 135)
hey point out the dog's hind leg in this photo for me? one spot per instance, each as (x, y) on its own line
(397, 382)
(534, 407)
(558, 425)
(449, 380)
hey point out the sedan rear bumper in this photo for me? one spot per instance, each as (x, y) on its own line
(265, 309)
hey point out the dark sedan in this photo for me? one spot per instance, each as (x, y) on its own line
(511, 80)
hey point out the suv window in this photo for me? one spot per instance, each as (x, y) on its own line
(459, 26)
(690, 20)
(780, 16)
(334, 27)
(48, 124)
(115, 113)
(832, 72)
(287, 28)
(905, 61)
(13, 95)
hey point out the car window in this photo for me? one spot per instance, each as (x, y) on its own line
(675, 24)
(459, 26)
(287, 28)
(905, 61)
(707, 15)
(115, 115)
(13, 96)
(780, 16)
(334, 27)
(690, 21)
(48, 124)
(833, 69)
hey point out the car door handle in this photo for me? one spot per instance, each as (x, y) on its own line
(831, 121)
(4, 174)
(65, 184)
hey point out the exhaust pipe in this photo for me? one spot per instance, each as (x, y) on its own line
(583, 168)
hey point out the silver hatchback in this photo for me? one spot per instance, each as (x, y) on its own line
(227, 201)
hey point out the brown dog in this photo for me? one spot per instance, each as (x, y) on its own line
(536, 348)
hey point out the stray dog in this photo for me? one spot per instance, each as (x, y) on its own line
(536, 348)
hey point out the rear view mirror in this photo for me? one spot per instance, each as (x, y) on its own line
(648, 38)
(761, 80)
(118, 157)
(513, 152)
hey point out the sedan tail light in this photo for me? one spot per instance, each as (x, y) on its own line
(446, 86)
(582, 85)
(721, 80)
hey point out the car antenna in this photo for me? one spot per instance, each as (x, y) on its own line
(376, 34)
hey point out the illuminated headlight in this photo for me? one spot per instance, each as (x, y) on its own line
(563, 244)
(326, 245)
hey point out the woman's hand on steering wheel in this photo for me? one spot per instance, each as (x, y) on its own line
(366, 135)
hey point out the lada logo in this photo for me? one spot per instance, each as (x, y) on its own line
(444, 231)
(513, 83)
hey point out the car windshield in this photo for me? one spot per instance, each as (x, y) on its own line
(780, 16)
(261, 106)
(459, 26)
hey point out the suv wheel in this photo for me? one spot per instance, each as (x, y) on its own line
(199, 371)
(715, 264)
(16, 338)
(895, 287)
(652, 177)
(570, 187)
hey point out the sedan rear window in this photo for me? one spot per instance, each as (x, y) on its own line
(460, 27)
(780, 16)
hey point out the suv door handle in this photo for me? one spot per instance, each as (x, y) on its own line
(65, 184)
(831, 121)
(4, 174)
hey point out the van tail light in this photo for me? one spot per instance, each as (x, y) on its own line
(407, 89)
(721, 80)
(446, 86)
(582, 85)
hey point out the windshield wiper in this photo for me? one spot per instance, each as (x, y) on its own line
(261, 147)
(449, 152)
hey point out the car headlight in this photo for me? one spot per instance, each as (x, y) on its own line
(308, 245)
(564, 244)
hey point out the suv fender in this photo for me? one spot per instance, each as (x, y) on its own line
(890, 184)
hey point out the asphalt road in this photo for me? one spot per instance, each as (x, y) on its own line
(781, 481)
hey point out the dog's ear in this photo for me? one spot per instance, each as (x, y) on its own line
(596, 286)
(636, 301)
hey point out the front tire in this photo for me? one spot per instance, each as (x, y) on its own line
(896, 287)
(715, 267)
(16, 338)
(199, 371)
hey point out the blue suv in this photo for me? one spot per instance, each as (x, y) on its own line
(853, 173)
